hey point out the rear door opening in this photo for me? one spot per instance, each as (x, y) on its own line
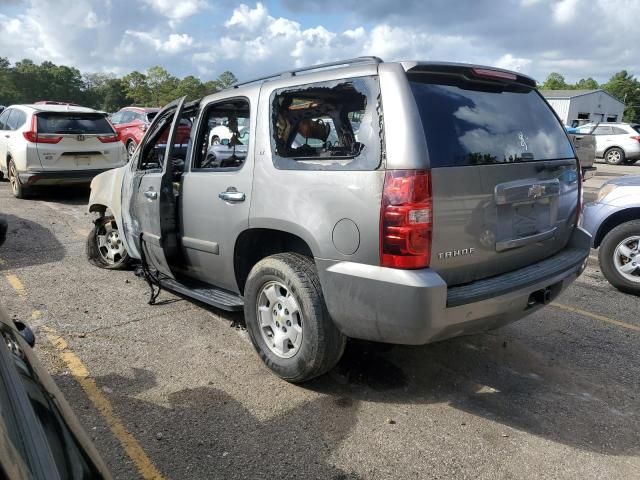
(505, 183)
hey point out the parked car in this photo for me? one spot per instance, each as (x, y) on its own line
(365, 236)
(617, 143)
(131, 123)
(614, 223)
(50, 144)
(41, 437)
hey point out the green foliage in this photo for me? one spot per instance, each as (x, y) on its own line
(586, 84)
(27, 82)
(554, 81)
(626, 88)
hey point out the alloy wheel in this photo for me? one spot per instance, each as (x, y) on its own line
(280, 319)
(110, 244)
(626, 258)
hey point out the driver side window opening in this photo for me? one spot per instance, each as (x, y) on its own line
(153, 153)
(223, 139)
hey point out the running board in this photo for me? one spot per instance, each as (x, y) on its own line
(204, 293)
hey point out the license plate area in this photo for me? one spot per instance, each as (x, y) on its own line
(82, 160)
(526, 212)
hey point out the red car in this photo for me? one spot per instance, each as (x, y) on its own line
(131, 123)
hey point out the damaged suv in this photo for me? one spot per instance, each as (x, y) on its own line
(402, 202)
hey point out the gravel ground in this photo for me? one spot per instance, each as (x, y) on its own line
(555, 395)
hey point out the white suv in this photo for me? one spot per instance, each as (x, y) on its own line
(45, 144)
(617, 143)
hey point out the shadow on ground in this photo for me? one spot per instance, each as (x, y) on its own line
(205, 433)
(499, 379)
(67, 194)
(29, 243)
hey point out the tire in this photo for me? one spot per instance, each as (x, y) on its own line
(614, 156)
(131, 148)
(318, 345)
(612, 260)
(18, 190)
(110, 252)
(215, 140)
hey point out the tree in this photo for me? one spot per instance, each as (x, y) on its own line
(586, 84)
(625, 88)
(162, 86)
(190, 86)
(136, 88)
(226, 80)
(554, 81)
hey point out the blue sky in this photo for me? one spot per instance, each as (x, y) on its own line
(593, 38)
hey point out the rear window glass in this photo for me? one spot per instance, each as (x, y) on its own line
(73, 123)
(469, 123)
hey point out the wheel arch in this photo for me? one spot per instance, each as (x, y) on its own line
(254, 244)
(612, 221)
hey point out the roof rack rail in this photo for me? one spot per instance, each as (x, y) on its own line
(293, 73)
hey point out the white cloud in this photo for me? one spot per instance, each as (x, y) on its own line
(509, 62)
(176, 9)
(565, 11)
(174, 43)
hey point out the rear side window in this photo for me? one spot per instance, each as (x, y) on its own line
(73, 123)
(327, 126)
(619, 131)
(473, 123)
(16, 120)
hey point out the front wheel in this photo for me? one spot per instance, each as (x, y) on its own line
(614, 156)
(287, 319)
(619, 257)
(104, 245)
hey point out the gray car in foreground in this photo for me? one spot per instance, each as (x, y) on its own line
(402, 202)
(614, 223)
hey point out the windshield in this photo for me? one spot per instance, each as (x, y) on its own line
(471, 123)
(151, 116)
(73, 123)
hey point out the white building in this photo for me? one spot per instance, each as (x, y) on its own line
(575, 107)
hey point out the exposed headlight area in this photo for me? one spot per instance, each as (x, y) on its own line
(605, 190)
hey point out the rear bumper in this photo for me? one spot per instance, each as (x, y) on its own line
(59, 177)
(415, 306)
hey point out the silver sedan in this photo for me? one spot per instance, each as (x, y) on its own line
(614, 223)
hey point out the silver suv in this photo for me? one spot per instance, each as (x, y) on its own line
(395, 202)
(615, 142)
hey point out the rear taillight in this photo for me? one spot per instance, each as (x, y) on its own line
(108, 138)
(406, 219)
(636, 138)
(32, 134)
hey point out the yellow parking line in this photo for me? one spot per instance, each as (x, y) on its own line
(16, 284)
(595, 316)
(144, 465)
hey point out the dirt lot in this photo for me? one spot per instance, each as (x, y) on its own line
(181, 394)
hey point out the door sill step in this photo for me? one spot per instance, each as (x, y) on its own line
(216, 297)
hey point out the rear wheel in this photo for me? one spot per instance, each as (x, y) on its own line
(104, 245)
(287, 318)
(614, 156)
(619, 257)
(18, 190)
